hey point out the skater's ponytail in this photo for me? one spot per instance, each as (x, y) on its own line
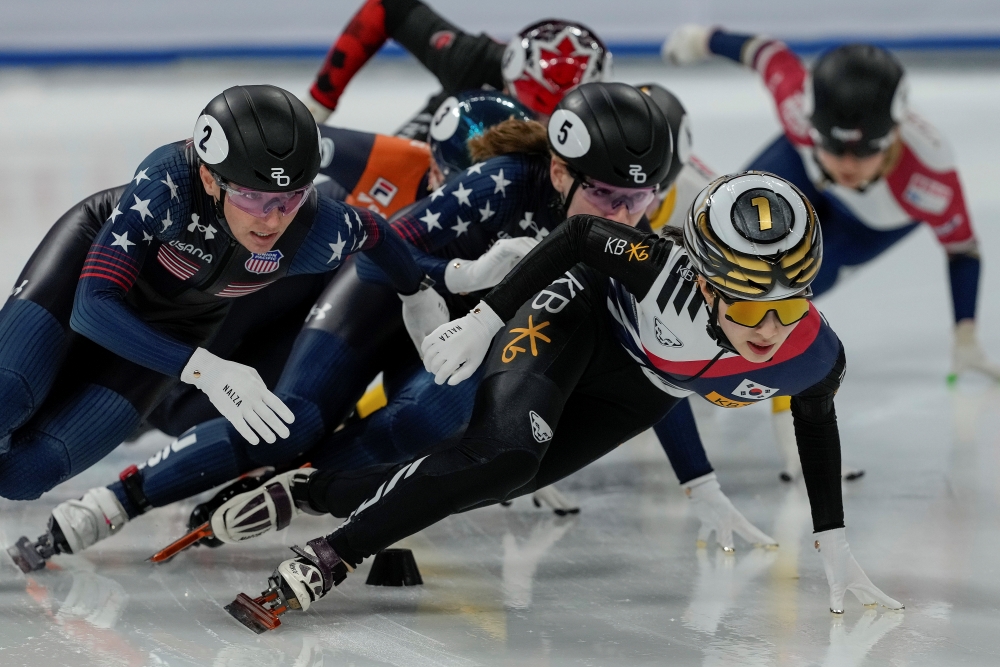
(510, 136)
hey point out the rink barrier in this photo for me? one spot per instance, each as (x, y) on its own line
(392, 50)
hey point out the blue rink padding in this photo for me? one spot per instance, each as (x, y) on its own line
(621, 48)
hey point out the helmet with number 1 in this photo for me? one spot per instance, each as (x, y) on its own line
(754, 236)
(464, 116)
(550, 58)
(613, 133)
(259, 137)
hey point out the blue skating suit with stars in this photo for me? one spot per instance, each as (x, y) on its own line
(355, 331)
(164, 240)
(506, 197)
(156, 283)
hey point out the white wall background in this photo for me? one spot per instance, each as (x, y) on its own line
(61, 25)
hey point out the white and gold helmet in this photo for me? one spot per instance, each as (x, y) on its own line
(754, 236)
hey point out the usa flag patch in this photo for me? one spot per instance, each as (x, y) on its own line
(265, 262)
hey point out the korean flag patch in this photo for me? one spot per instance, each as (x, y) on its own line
(753, 391)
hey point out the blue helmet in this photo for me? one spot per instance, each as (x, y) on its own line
(464, 116)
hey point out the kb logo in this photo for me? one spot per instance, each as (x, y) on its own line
(636, 172)
(278, 174)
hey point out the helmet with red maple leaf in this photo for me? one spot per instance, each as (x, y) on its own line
(550, 58)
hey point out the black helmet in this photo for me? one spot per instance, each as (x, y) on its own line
(858, 95)
(467, 115)
(680, 128)
(260, 137)
(612, 132)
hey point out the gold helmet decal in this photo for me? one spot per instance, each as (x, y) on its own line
(754, 236)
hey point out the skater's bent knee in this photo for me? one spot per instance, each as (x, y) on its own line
(304, 433)
(36, 463)
(16, 401)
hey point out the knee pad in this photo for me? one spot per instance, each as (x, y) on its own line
(36, 463)
(31, 346)
(307, 430)
(16, 401)
(482, 470)
(61, 444)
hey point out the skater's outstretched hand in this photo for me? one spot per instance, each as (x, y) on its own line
(968, 355)
(318, 110)
(687, 44)
(455, 349)
(423, 312)
(717, 514)
(844, 574)
(240, 395)
(551, 497)
(471, 275)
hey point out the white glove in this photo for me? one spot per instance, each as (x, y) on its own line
(844, 574)
(557, 502)
(239, 394)
(718, 515)
(319, 112)
(455, 349)
(423, 312)
(687, 45)
(968, 355)
(471, 275)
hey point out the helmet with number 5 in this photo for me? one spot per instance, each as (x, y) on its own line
(613, 133)
(259, 137)
(550, 58)
(755, 237)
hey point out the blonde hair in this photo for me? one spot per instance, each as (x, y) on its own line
(511, 136)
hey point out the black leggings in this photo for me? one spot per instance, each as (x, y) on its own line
(558, 392)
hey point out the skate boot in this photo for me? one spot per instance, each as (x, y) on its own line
(202, 512)
(73, 526)
(295, 584)
(272, 506)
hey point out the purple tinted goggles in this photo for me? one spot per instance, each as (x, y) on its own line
(608, 198)
(259, 203)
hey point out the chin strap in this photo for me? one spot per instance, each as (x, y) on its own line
(564, 201)
(220, 214)
(715, 332)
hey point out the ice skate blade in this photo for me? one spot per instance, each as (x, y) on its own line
(252, 614)
(168, 552)
(25, 557)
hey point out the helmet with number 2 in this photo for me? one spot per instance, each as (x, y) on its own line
(754, 236)
(259, 137)
(550, 58)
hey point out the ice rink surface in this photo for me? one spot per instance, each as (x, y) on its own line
(622, 583)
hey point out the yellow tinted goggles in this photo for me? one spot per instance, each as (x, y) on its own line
(752, 313)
